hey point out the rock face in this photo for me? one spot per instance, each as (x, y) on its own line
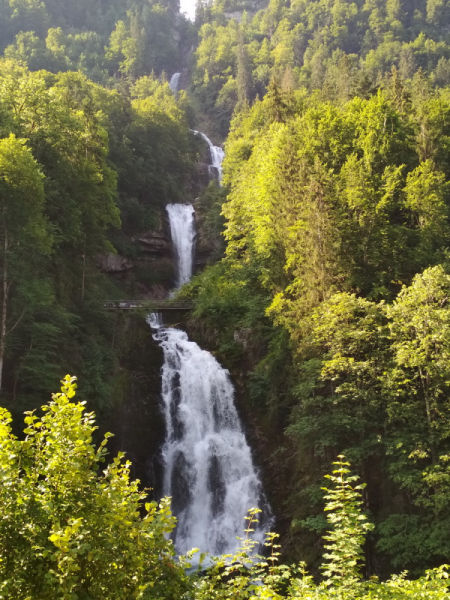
(151, 271)
(203, 170)
(114, 263)
(155, 243)
(155, 265)
(249, 8)
(136, 419)
(205, 247)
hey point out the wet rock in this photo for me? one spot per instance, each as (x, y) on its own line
(181, 484)
(216, 485)
(203, 170)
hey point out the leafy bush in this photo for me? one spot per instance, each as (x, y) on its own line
(70, 530)
(246, 575)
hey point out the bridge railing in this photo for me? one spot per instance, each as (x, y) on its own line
(149, 305)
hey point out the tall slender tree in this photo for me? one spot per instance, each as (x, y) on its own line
(23, 230)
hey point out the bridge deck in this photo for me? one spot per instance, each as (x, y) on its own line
(149, 305)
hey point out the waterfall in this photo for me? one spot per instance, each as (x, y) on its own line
(173, 83)
(181, 220)
(208, 468)
(217, 154)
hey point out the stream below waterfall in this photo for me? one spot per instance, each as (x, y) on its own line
(207, 462)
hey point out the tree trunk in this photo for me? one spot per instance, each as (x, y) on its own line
(83, 278)
(4, 308)
(429, 419)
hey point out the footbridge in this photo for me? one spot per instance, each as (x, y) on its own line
(149, 305)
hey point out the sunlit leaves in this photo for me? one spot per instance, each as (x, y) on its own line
(68, 529)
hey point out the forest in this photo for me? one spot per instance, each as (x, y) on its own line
(326, 292)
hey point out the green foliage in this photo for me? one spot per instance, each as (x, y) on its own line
(329, 305)
(74, 526)
(210, 222)
(248, 575)
(349, 180)
(161, 136)
(420, 343)
(336, 217)
(100, 39)
(341, 48)
(76, 160)
(229, 298)
(243, 574)
(23, 232)
(350, 527)
(71, 526)
(22, 196)
(379, 391)
(143, 41)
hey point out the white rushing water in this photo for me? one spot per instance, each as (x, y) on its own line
(217, 154)
(208, 467)
(174, 81)
(181, 220)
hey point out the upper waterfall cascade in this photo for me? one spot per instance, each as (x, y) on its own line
(208, 468)
(217, 154)
(174, 81)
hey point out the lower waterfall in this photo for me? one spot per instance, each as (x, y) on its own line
(208, 468)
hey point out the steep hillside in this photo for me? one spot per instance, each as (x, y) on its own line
(328, 296)
(330, 307)
(339, 47)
